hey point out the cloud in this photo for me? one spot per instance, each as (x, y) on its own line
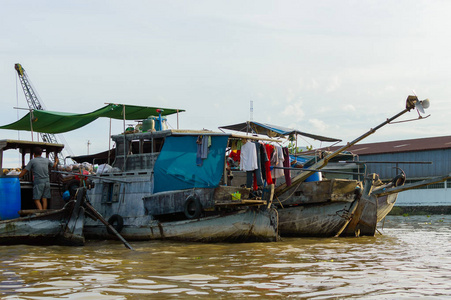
(318, 125)
(291, 95)
(348, 107)
(293, 110)
(309, 85)
(333, 85)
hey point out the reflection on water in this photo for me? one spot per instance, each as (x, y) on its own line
(412, 258)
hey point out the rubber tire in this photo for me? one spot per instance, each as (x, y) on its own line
(189, 203)
(117, 222)
(399, 180)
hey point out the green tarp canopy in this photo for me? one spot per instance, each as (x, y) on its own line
(60, 122)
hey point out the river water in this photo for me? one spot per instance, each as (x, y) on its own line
(411, 259)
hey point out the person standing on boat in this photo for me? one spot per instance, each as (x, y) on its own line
(41, 181)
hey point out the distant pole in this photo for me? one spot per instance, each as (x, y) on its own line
(17, 104)
(31, 125)
(89, 143)
(251, 117)
(30, 111)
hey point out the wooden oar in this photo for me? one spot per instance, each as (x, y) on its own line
(99, 216)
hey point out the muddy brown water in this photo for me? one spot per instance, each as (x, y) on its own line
(411, 259)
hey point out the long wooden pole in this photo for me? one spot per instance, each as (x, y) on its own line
(123, 112)
(99, 216)
(410, 104)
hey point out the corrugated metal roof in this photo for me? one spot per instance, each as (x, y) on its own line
(423, 144)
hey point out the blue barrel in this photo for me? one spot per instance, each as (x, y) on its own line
(9, 198)
(317, 176)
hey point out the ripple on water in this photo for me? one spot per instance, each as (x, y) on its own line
(411, 259)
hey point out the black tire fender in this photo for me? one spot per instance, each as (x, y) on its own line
(117, 222)
(192, 207)
(400, 179)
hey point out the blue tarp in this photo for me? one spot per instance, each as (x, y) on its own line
(176, 167)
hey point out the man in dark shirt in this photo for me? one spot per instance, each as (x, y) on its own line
(41, 182)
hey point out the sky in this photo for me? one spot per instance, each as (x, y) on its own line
(333, 68)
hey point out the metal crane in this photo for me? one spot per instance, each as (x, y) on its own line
(34, 104)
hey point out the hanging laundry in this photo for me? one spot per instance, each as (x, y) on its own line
(286, 164)
(239, 144)
(199, 160)
(277, 161)
(233, 146)
(266, 151)
(202, 149)
(249, 163)
(248, 157)
(206, 142)
(258, 181)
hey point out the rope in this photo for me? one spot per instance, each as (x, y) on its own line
(289, 195)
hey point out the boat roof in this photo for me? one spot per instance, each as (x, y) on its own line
(60, 122)
(27, 146)
(175, 132)
(102, 157)
(274, 130)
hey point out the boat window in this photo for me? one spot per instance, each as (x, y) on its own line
(158, 144)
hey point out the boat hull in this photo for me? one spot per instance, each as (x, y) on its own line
(317, 209)
(59, 227)
(321, 220)
(385, 205)
(249, 225)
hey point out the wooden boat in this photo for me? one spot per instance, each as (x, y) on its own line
(145, 165)
(23, 196)
(320, 209)
(20, 223)
(160, 190)
(47, 227)
(378, 200)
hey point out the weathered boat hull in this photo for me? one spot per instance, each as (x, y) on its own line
(385, 205)
(364, 218)
(377, 203)
(152, 216)
(240, 226)
(319, 209)
(321, 220)
(59, 227)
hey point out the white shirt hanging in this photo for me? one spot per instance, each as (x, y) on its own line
(248, 157)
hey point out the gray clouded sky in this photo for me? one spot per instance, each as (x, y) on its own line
(335, 68)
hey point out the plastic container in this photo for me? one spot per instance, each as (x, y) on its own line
(164, 124)
(317, 176)
(9, 198)
(236, 196)
(148, 124)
